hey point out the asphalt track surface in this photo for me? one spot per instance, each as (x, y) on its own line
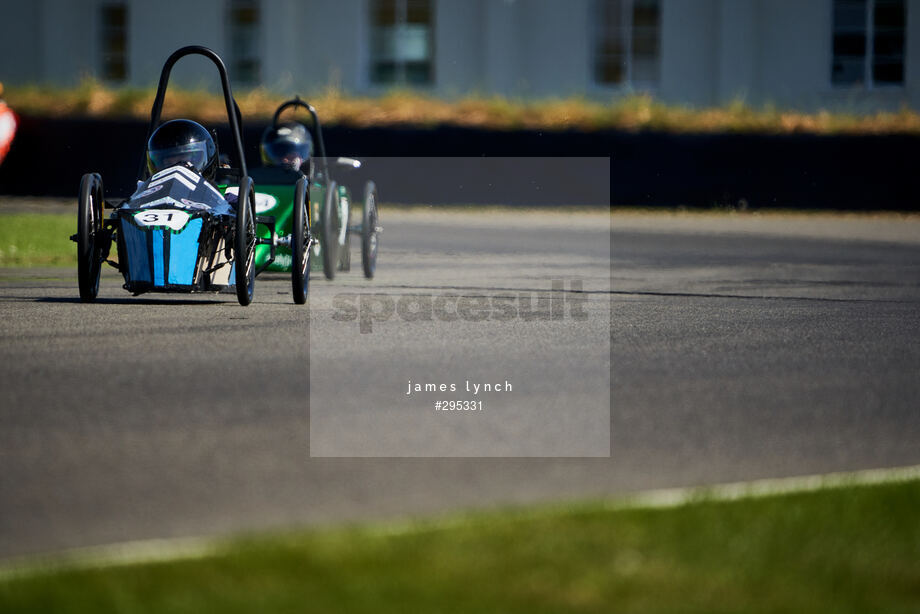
(741, 347)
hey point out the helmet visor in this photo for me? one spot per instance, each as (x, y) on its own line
(195, 154)
(287, 153)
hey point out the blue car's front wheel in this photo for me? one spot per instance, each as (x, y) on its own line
(89, 236)
(244, 243)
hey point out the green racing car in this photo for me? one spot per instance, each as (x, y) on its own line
(292, 179)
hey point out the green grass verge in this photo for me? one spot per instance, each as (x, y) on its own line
(37, 239)
(850, 549)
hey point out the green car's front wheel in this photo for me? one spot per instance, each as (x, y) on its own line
(300, 252)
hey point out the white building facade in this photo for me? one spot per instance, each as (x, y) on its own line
(809, 54)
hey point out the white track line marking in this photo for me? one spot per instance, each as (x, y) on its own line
(121, 554)
(176, 549)
(675, 497)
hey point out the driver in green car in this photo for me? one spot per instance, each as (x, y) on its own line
(287, 145)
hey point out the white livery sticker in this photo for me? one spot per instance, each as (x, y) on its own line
(176, 173)
(171, 218)
(187, 177)
(182, 170)
(148, 192)
(166, 200)
(191, 204)
(264, 202)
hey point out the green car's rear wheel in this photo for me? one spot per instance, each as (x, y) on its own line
(244, 243)
(89, 236)
(300, 254)
(330, 245)
(369, 230)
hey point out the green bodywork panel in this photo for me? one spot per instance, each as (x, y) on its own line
(278, 202)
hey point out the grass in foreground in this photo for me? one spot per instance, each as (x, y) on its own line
(631, 113)
(851, 549)
(37, 240)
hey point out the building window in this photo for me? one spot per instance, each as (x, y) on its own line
(627, 42)
(113, 19)
(868, 42)
(401, 42)
(243, 33)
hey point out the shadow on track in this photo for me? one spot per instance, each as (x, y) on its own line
(754, 297)
(482, 289)
(129, 300)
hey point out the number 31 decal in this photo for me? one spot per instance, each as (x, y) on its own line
(171, 218)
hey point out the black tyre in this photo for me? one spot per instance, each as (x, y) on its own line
(300, 254)
(330, 245)
(244, 243)
(89, 236)
(369, 230)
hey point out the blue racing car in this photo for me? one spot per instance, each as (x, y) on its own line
(191, 224)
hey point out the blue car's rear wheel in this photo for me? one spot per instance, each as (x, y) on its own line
(300, 254)
(244, 243)
(89, 236)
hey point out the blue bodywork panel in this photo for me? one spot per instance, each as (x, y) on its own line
(172, 227)
(183, 253)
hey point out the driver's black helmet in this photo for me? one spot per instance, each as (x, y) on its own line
(288, 144)
(182, 140)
